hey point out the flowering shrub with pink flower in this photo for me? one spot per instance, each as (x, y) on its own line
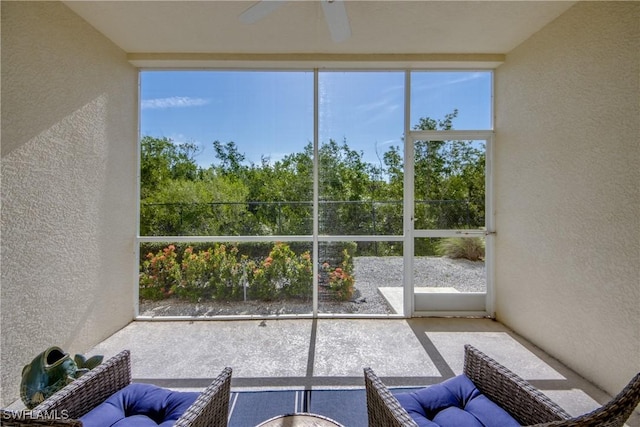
(215, 273)
(340, 279)
(222, 273)
(160, 274)
(283, 274)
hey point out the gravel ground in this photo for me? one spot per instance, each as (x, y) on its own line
(370, 273)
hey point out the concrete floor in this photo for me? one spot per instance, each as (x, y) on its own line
(330, 353)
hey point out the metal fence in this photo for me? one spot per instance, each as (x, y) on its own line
(371, 217)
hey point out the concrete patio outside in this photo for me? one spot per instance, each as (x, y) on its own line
(315, 354)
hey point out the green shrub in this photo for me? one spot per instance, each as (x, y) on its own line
(471, 248)
(228, 273)
(222, 273)
(196, 272)
(283, 274)
(214, 273)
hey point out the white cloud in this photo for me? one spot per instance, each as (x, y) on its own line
(453, 80)
(172, 102)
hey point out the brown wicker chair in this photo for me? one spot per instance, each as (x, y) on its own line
(64, 408)
(524, 402)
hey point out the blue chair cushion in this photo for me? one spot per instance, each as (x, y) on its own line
(140, 405)
(455, 402)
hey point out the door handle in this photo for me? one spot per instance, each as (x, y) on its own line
(476, 233)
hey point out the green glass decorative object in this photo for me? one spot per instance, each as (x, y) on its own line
(50, 371)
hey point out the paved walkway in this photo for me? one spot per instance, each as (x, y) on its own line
(330, 353)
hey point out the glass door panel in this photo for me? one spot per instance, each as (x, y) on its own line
(454, 278)
(449, 223)
(449, 185)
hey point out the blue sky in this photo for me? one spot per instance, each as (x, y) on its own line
(270, 114)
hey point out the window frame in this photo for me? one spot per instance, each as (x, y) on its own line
(314, 238)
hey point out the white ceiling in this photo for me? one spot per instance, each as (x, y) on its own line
(378, 27)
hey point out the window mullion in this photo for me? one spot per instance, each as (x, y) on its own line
(316, 189)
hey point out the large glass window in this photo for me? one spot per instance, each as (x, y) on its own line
(361, 125)
(445, 100)
(282, 192)
(226, 153)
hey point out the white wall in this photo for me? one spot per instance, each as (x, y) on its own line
(69, 108)
(567, 178)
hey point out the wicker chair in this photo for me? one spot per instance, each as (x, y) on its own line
(524, 402)
(67, 405)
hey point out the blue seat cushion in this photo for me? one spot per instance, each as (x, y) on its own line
(455, 402)
(140, 405)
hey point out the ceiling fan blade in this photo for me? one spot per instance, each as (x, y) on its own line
(260, 10)
(337, 19)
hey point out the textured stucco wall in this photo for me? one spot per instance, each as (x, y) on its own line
(69, 108)
(567, 190)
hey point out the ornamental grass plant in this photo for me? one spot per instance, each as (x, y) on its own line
(471, 248)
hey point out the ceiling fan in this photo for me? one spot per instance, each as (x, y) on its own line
(334, 13)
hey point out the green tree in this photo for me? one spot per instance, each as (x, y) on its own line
(236, 197)
(230, 159)
(188, 207)
(345, 183)
(179, 198)
(288, 186)
(161, 160)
